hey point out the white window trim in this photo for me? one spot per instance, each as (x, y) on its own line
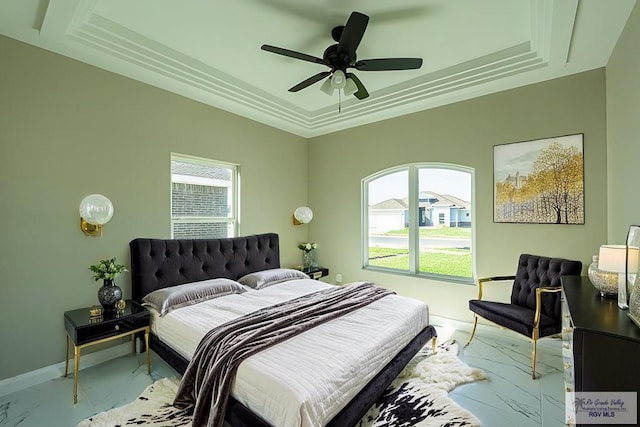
(198, 180)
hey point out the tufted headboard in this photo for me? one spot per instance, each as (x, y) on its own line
(159, 263)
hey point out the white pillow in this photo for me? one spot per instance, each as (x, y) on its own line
(264, 278)
(167, 299)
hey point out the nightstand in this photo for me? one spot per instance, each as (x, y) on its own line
(84, 330)
(316, 272)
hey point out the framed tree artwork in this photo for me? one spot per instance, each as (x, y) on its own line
(539, 181)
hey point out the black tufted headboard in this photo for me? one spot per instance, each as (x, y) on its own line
(158, 263)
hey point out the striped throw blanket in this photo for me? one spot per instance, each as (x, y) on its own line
(206, 383)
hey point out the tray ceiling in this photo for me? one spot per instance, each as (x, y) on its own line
(209, 51)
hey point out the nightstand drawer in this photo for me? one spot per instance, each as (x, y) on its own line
(83, 329)
(107, 329)
(316, 272)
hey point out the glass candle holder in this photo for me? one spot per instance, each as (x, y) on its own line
(604, 281)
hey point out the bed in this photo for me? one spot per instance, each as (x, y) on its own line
(158, 264)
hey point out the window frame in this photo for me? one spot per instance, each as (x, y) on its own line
(233, 219)
(413, 215)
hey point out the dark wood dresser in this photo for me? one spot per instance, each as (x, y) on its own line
(601, 344)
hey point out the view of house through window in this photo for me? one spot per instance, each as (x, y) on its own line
(203, 198)
(418, 220)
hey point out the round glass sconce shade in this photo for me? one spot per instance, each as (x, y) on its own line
(96, 209)
(303, 214)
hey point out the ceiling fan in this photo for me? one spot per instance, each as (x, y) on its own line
(341, 56)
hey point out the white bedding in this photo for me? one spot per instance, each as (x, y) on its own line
(306, 380)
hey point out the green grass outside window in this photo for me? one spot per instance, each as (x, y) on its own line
(451, 264)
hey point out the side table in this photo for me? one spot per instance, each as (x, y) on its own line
(84, 330)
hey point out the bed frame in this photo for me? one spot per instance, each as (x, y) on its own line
(158, 263)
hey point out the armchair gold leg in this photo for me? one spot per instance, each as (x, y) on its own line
(473, 331)
(534, 338)
(533, 359)
(433, 344)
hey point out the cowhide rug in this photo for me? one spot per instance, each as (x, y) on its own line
(417, 397)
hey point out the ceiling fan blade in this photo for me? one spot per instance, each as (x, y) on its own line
(311, 80)
(388, 64)
(292, 54)
(362, 91)
(352, 34)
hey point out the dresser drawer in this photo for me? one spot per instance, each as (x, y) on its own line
(569, 383)
(567, 342)
(567, 331)
(568, 368)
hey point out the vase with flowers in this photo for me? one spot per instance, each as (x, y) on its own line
(308, 254)
(109, 293)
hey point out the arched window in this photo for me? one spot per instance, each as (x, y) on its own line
(418, 219)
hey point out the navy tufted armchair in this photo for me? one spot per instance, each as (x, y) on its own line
(535, 308)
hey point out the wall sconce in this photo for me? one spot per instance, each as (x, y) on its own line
(95, 211)
(302, 215)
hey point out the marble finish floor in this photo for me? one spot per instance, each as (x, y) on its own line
(508, 398)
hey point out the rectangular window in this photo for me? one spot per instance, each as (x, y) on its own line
(440, 218)
(204, 198)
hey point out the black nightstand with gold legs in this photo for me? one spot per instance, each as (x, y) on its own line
(84, 330)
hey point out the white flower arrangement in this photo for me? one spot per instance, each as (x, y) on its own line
(307, 246)
(106, 269)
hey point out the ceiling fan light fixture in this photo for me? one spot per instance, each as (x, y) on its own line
(338, 79)
(350, 87)
(342, 56)
(327, 87)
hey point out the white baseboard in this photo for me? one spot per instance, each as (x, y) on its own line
(28, 379)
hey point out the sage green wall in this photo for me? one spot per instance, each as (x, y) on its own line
(463, 133)
(623, 132)
(67, 130)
